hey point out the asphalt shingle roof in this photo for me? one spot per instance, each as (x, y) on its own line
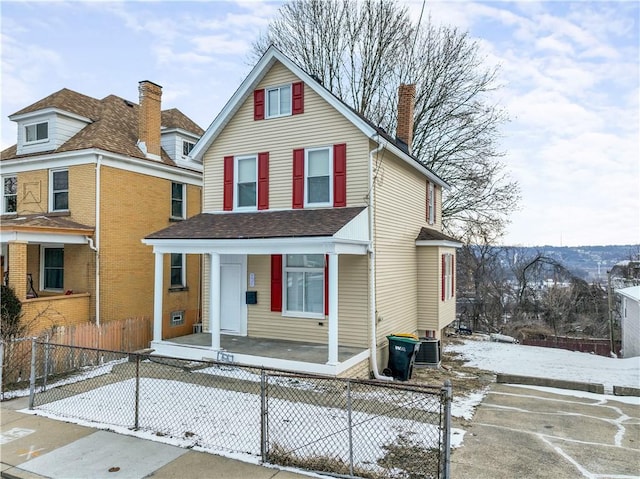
(266, 224)
(114, 124)
(427, 234)
(41, 221)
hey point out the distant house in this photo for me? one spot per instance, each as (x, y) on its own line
(322, 233)
(630, 315)
(88, 179)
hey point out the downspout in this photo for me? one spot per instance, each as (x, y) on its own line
(372, 274)
(97, 237)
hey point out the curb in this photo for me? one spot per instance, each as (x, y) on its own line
(551, 383)
(626, 391)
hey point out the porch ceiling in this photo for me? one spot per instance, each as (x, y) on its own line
(43, 229)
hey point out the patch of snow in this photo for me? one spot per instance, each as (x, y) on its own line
(549, 363)
(464, 406)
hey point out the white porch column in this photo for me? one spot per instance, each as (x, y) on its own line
(333, 309)
(214, 300)
(157, 297)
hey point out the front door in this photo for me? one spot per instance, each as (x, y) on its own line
(231, 298)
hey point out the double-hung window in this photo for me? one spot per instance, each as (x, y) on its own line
(9, 194)
(177, 270)
(448, 266)
(58, 190)
(177, 200)
(187, 146)
(36, 132)
(52, 268)
(318, 174)
(246, 182)
(304, 279)
(278, 101)
(431, 203)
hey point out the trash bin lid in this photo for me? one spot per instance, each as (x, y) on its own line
(404, 339)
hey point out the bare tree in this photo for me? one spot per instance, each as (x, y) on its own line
(362, 51)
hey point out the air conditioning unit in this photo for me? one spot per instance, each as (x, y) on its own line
(429, 353)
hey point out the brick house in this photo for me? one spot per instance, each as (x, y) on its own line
(321, 233)
(87, 179)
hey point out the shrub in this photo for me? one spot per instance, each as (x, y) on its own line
(11, 307)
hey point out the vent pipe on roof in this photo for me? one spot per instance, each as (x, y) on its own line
(406, 104)
(149, 118)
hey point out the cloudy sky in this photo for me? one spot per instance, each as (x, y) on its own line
(570, 72)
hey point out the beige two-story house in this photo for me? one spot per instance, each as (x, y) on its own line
(321, 233)
(86, 180)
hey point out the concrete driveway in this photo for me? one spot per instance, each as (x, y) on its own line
(521, 432)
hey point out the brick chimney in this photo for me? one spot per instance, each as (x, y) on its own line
(149, 119)
(406, 103)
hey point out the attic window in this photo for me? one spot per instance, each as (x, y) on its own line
(279, 101)
(187, 146)
(36, 132)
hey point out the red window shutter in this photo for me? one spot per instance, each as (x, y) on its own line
(298, 178)
(435, 214)
(340, 175)
(297, 98)
(228, 183)
(444, 270)
(276, 282)
(258, 104)
(263, 181)
(326, 285)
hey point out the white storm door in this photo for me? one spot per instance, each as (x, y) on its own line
(231, 300)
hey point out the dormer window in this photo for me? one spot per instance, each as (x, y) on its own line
(187, 146)
(279, 101)
(36, 132)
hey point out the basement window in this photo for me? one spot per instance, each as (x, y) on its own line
(177, 318)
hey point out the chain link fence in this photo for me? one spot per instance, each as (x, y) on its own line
(344, 427)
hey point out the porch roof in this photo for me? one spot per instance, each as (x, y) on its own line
(39, 228)
(266, 231)
(430, 237)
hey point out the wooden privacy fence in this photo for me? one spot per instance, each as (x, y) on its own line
(601, 347)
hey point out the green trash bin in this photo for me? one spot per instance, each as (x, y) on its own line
(402, 355)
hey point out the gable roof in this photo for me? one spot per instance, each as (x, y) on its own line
(428, 236)
(113, 124)
(258, 72)
(265, 224)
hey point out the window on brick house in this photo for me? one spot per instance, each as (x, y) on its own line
(52, 268)
(178, 203)
(178, 278)
(59, 190)
(9, 194)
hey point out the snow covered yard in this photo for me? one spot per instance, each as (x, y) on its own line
(548, 363)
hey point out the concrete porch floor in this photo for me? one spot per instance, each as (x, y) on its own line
(269, 348)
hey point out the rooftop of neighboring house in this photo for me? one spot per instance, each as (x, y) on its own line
(113, 124)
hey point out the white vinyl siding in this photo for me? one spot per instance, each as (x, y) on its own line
(60, 129)
(320, 125)
(173, 144)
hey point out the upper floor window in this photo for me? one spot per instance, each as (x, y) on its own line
(58, 190)
(279, 101)
(187, 146)
(304, 280)
(9, 194)
(177, 270)
(36, 132)
(318, 174)
(52, 264)
(177, 200)
(431, 203)
(246, 182)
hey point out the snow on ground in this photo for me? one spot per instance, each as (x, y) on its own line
(549, 363)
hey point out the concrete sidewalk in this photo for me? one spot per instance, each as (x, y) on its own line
(35, 447)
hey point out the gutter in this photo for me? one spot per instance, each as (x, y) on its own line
(372, 272)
